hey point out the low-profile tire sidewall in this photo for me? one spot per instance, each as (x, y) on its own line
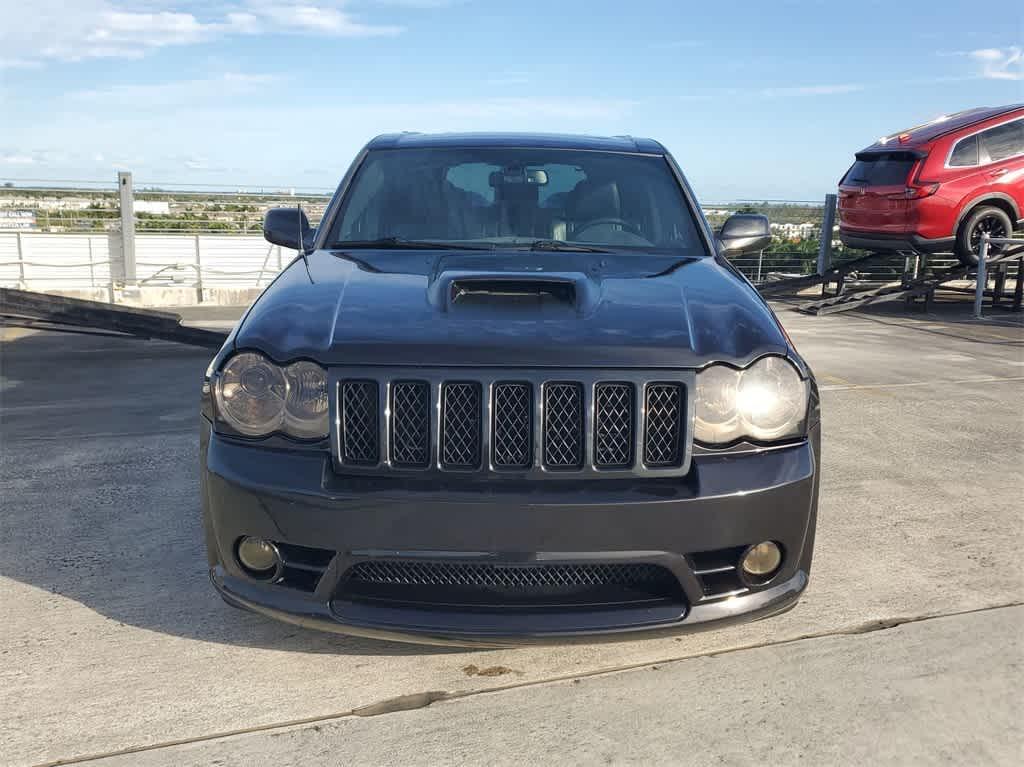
(963, 235)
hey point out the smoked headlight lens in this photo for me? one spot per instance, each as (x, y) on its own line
(305, 412)
(765, 402)
(255, 397)
(250, 394)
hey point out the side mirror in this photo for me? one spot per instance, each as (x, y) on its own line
(744, 233)
(285, 227)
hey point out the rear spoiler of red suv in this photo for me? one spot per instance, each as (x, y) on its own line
(867, 154)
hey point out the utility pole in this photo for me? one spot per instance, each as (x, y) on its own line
(127, 192)
(827, 224)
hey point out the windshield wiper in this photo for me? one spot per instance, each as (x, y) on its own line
(400, 243)
(561, 245)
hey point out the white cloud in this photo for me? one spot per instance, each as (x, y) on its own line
(16, 158)
(317, 19)
(176, 93)
(772, 92)
(57, 30)
(812, 90)
(999, 63)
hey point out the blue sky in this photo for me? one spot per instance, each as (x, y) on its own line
(755, 99)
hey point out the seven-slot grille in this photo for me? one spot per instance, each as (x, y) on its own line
(397, 422)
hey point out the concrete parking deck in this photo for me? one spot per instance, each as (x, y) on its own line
(113, 641)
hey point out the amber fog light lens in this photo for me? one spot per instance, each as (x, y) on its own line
(260, 557)
(761, 561)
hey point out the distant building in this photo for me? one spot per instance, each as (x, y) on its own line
(156, 207)
(803, 231)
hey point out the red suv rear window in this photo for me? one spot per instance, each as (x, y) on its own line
(880, 169)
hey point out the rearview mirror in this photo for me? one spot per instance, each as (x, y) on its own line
(744, 233)
(288, 227)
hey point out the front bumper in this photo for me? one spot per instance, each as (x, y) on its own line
(295, 497)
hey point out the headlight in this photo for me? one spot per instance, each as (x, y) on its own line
(255, 397)
(765, 402)
(305, 409)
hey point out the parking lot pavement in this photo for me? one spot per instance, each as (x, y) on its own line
(113, 639)
(775, 704)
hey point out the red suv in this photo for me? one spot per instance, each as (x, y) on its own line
(939, 186)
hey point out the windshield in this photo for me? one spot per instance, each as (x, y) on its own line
(503, 196)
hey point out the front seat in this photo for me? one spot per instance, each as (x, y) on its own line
(593, 201)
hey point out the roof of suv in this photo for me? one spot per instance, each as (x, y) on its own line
(627, 144)
(940, 126)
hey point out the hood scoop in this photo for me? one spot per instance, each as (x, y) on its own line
(477, 290)
(507, 290)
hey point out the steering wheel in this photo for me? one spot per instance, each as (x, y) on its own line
(626, 226)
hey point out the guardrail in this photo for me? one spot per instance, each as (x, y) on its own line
(46, 262)
(108, 237)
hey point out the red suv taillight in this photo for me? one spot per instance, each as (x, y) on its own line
(921, 189)
(916, 191)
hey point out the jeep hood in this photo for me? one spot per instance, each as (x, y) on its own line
(513, 309)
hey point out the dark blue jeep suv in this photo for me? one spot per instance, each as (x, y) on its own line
(510, 390)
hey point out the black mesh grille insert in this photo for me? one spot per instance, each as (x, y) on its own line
(512, 436)
(663, 425)
(460, 427)
(613, 425)
(410, 423)
(360, 437)
(415, 573)
(477, 585)
(563, 426)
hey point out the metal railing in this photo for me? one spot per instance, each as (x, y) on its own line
(105, 236)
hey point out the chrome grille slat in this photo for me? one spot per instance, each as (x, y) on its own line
(461, 425)
(663, 407)
(410, 423)
(524, 422)
(613, 425)
(360, 439)
(563, 425)
(512, 430)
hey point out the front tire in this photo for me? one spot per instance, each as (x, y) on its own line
(988, 219)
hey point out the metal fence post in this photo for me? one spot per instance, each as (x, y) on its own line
(828, 223)
(979, 290)
(199, 272)
(92, 271)
(760, 259)
(21, 263)
(127, 194)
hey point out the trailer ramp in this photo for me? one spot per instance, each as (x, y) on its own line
(912, 287)
(25, 308)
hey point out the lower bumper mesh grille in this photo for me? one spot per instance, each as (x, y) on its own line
(432, 582)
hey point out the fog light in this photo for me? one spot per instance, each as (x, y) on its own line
(259, 557)
(760, 562)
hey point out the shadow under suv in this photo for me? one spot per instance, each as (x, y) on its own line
(512, 391)
(939, 186)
